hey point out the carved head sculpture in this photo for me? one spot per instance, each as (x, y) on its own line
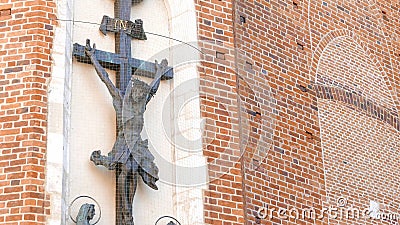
(139, 91)
(86, 213)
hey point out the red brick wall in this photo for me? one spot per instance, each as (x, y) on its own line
(223, 199)
(300, 97)
(318, 88)
(283, 163)
(26, 34)
(359, 122)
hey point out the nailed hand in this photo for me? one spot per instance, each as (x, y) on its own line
(88, 49)
(161, 67)
(96, 157)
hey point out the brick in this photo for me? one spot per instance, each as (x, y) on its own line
(13, 70)
(20, 38)
(5, 12)
(299, 97)
(268, 36)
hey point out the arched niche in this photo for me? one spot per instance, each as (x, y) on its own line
(360, 146)
(81, 117)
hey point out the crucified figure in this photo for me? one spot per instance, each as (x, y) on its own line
(130, 156)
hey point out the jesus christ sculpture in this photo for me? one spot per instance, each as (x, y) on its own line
(130, 156)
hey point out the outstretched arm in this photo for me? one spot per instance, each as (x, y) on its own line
(101, 72)
(160, 71)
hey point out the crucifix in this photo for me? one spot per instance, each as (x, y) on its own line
(130, 156)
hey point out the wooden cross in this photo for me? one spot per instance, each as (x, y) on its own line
(122, 63)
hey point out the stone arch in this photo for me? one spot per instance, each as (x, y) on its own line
(354, 138)
(374, 12)
(316, 55)
(379, 20)
(389, 36)
(334, 35)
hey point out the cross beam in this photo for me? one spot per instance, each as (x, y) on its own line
(113, 61)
